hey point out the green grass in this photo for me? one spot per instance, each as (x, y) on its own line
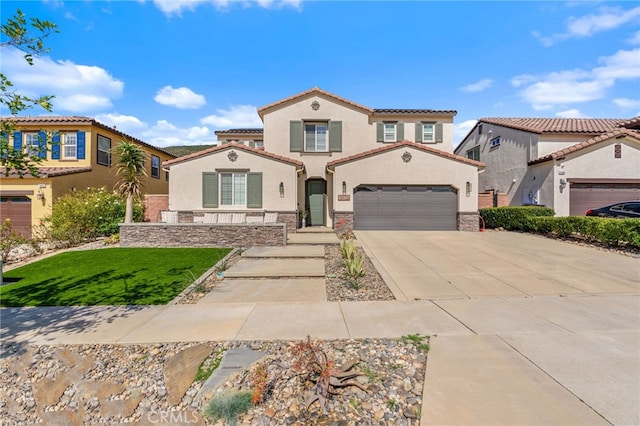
(113, 276)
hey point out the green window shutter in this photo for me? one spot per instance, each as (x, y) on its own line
(418, 132)
(209, 189)
(335, 136)
(380, 132)
(439, 133)
(400, 131)
(296, 137)
(254, 190)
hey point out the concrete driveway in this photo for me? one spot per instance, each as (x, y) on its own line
(554, 327)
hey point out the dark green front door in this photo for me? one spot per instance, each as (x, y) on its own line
(316, 194)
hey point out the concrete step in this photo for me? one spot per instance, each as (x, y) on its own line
(315, 230)
(292, 251)
(302, 238)
(265, 290)
(276, 268)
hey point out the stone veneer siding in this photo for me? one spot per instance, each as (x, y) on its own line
(202, 235)
(288, 218)
(342, 221)
(468, 221)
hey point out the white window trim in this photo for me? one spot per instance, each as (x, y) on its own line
(108, 152)
(495, 142)
(31, 149)
(63, 148)
(233, 192)
(432, 134)
(316, 124)
(384, 132)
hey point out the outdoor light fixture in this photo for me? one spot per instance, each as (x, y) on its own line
(344, 187)
(281, 188)
(468, 188)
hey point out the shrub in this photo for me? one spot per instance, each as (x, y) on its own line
(84, 215)
(347, 248)
(513, 218)
(355, 269)
(607, 231)
(9, 239)
(227, 406)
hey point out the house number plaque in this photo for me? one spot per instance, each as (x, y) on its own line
(344, 197)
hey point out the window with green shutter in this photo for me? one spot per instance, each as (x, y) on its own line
(254, 190)
(439, 133)
(209, 189)
(335, 136)
(296, 136)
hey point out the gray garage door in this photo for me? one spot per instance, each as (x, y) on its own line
(590, 195)
(427, 208)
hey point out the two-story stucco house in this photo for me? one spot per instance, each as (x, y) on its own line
(568, 164)
(345, 165)
(80, 156)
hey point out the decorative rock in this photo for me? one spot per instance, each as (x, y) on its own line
(64, 417)
(180, 370)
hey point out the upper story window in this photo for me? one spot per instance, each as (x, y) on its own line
(474, 153)
(69, 146)
(390, 132)
(155, 166)
(316, 137)
(428, 132)
(233, 189)
(32, 144)
(258, 144)
(104, 150)
(495, 142)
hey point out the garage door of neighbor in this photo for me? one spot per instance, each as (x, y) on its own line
(389, 207)
(18, 209)
(589, 195)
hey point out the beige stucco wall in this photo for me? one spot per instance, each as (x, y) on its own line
(185, 185)
(423, 169)
(548, 143)
(410, 127)
(596, 162)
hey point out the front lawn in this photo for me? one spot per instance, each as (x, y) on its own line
(112, 276)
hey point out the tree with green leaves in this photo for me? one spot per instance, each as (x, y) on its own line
(131, 169)
(27, 36)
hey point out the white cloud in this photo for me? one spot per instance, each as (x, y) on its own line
(575, 86)
(585, 26)
(77, 88)
(237, 116)
(124, 123)
(626, 103)
(461, 130)
(571, 113)
(182, 98)
(481, 85)
(176, 7)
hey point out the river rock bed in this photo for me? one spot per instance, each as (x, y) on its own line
(153, 384)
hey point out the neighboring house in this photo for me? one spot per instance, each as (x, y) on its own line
(80, 156)
(346, 165)
(568, 164)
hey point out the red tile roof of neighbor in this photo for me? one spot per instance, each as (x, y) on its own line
(243, 131)
(401, 144)
(633, 123)
(413, 111)
(234, 145)
(617, 133)
(313, 90)
(47, 172)
(80, 121)
(556, 125)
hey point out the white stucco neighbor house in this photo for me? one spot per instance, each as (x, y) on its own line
(568, 164)
(345, 165)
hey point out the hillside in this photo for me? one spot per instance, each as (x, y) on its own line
(179, 151)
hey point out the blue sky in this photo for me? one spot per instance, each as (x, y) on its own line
(171, 72)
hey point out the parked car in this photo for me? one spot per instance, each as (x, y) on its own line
(622, 210)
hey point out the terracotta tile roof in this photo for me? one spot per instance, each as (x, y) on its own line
(556, 125)
(234, 145)
(314, 90)
(402, 144)
(242, 131)
(634, 123)
(47, 172)
(617, 133)
(80, 121)
(414, 111)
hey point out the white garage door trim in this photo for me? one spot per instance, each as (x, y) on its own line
(585, 194)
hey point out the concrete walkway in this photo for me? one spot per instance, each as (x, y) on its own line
(506, 351)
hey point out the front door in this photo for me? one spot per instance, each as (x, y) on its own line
(315, 201)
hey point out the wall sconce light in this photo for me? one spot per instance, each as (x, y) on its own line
(281, 189)
(39, 196)
(344, 187)
(468, 188)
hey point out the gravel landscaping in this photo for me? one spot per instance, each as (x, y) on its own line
(92, 384)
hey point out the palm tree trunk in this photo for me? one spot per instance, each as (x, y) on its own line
(128, 212)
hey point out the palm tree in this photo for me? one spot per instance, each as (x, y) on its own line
(131, 162)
